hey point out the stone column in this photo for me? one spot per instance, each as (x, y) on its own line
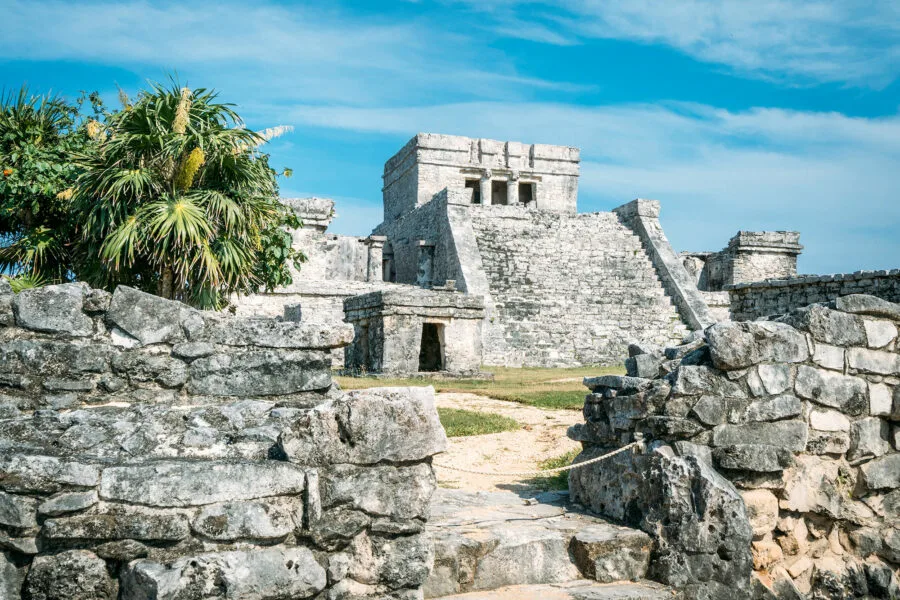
(512, 189)
(375, 266)
(486, 191)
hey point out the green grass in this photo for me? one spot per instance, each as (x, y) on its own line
(559, 481)
(458, 422)
(544, 388)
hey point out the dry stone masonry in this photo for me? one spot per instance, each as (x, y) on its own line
(152, 451)
(772, 447)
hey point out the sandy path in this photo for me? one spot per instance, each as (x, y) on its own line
(543, 436)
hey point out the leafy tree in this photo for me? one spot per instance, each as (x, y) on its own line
(38, 137)
(179, 201)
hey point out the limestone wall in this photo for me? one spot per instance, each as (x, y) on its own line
(778, 296)
(800, 416)
(149, 451)
(567, 289)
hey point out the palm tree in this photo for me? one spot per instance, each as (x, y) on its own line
(180, 202)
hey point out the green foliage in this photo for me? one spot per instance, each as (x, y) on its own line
(179, 201)
(458, 422)
(25, 281)
(38, 137)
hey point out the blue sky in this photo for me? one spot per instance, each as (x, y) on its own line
(772, 114)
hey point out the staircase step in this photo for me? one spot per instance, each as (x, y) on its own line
(581, 589)
(488, 540)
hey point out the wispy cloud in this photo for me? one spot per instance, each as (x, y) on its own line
(715, 171)
(796, 41)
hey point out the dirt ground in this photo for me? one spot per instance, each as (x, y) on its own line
(542, 436)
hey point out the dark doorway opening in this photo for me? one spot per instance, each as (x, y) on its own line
(475, 186)
(498, 192)
(526, 193)
(431, 352)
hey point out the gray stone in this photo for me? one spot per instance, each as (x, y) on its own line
(269, 333)
(367, 427)
(882, 473)
(384, 490)
(22, 545)
(849, 394)
(10, 576)
(829, 326)
(122, 550)
(17, 512)
(145, 317)
(259, 520)
(776, 379)
(880, 333)
(877, 362)
(620, 383)
(827, 442)
(402, 562)
(335, 527)
(140, 366)
(53, 309)
(338, 565)
(643, 365)
(192, 350)
(260, 373)
(697, 380)
(29, 473)
(73, 575)
(759, 458)
(194, 483)
(828, 420)
(882, 581)
(96, 301)
(607, 553)
(863, 304)
(773, 409)
(732, 346)
(119, 523)
(276, 573)
(830, 357)
(716, 410)
(67, 502)
(762, 511)
(890, 547)
(869, 437)
(791, 435)
(670, 428)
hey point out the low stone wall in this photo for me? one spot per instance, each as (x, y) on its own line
(798, 417)
(151, 451)
(779, 296)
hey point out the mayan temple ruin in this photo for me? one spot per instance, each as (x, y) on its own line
(741, 442)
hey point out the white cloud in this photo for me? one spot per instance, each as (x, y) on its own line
(826, 174)
(799, 41)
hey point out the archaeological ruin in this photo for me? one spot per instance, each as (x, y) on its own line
(559, 288)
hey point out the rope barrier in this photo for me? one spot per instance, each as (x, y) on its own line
(543, 471)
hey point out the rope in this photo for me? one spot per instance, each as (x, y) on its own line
(544, 471)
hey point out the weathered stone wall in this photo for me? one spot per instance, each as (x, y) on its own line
(567, 289)
(750, 256)
(801, 415)
(150, 451)
(775, 297)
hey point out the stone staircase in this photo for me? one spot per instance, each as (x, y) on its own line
(498, 546)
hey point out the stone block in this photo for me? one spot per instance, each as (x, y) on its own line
(139, 366)
(758, 458)
(732, 346)
(762, 510)
(195, 483)
(880, 403)
(847, 393)
(716, 410)
(192, 350)
(645, 366)
(811, 486)
(791, 435)
(829, 326)
(10, 576)
(827, 442)
(863, 304)
(17, 512)
(44, 474)
(67, 502)
(401, 562)
(366, 427)
(877, 362)
(73, 575)
(830, 357)
(269, 333)
(773, 409)
(880, 333)
(402, 492)
(607, 553)
(882, 473)
(670, 428)
(145, 317)
(698, 380)
(258, 520)
(276, 573)
(260, 373)
(869, 437)
(119, 523)
(828, 420)
(775, 378)
(53, 309)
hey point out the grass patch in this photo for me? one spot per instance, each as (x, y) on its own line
(544, 388)
(459, 423)
(559, 481)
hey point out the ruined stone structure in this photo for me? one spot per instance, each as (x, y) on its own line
(152, 451)
(749, 256)
(772, 448)
(415, 331)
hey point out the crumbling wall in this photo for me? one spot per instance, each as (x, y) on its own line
(150, 451)
(778, 296)
(801, 415)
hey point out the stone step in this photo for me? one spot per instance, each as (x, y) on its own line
(488, 540)
(580, 589)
